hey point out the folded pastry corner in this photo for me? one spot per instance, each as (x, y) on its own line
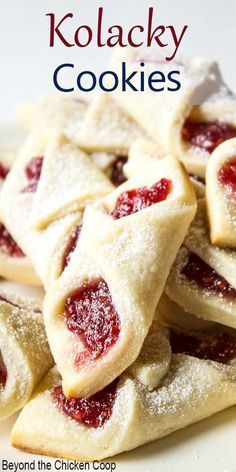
(154, 358)
(141, 149)
(173, 315)
(116, 276)
(107, 127)
(55, 206)
(220, 194)
(53, 113)
(14, 264)
(24, 352)
(190, 123)
(202, 279)
(68, 182)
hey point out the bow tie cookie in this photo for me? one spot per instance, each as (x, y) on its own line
(102, 306)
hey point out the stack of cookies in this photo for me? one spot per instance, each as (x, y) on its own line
(123, 208)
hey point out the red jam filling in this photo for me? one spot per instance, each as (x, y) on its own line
(196, 270)
(33, 172)
(227, 176)
(219, 347)
(117, 175)
(3, 372)
(71, 246)
(135, 200)
(3, 171)
(207, 135)
(94, 411)
(90, 313)
(7, 244)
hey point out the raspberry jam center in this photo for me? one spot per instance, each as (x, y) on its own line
(94, 411)
(71, 246)
(196, 270)
(7, 244)
(3, 372)
(33, 172)
(219, 347)
(90, 313)
(207, 135)
(135, 200)
(3, 171)
(117, 175)
(227, 176)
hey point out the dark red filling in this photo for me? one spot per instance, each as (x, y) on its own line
(219, 347)
(207, 135)
(71, 246)
(196, 270)
(117, 175)
(138, 199)
(3, 372)
(199, 179)
(3, 171)
(33, 172)
(94, 411)
(7, 244)
(227, 176)
(90, 313)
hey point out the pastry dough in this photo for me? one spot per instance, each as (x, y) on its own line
(25, 354)
(218, 302)
(47, 247)
(107, 128)
(15, 266)
(54, 113)
(139, 151)
(69, 181)
(191, 390)
(164, 114)
(112, 164)
(132, 256)
(220, 194)
(199, 185)
(107, 134)
(193, 298)
(18, 268)
(154, 358)
(137, 160)
(220, 111)
(175, 316)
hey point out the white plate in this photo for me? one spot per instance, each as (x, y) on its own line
(206, 446)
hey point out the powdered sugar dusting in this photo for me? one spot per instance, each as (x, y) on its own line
(186, 382)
